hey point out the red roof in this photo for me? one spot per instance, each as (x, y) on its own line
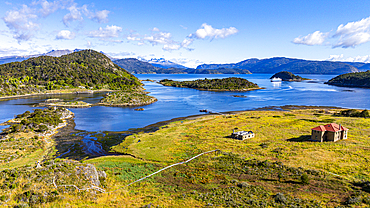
(330, 127)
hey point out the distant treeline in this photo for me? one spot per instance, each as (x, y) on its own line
(353, 113)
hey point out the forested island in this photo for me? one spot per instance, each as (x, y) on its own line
(226, 84)
(85, 71)
(358, 79)
(122, 98)
(288, 76)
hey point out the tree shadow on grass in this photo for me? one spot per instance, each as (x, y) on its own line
(365, 186)
(303, 138)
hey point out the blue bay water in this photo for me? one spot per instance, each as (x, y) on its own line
(179, 102)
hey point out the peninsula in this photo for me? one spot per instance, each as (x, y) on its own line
(226, 84)
(359, 79)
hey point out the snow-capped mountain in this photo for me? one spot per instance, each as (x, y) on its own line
(55, 53)
(163, 63)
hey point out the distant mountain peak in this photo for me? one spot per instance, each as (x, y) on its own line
(54, 53)
(163, 63)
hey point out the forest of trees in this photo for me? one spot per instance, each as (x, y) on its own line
(358, 79)
(288, 76)
(88, 69)
(226, 84)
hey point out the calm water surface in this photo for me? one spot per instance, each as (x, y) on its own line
(179, 102)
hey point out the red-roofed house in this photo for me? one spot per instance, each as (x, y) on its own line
(329, 133)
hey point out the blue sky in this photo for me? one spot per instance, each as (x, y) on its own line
(190, 32)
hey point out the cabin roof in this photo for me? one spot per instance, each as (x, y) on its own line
(333, 127)
(243, 132)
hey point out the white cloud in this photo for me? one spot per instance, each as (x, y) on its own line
(12, 51)
(191, 63)
(21, 22)
(316, 38)
(353, 33)
(170, 47)
(133, 36)
(100, 16)
(159, 38)
(89, 44)
(121, 54)
(183, 27)
(66, 34)
(75, 13)
(48, 8)
(353, 40)
(163, 38)
(365, 58)
(347, 35)
(208, 31)
(354, 27)
(107, 32)
(186, 42)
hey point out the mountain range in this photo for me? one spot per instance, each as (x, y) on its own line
(253, 65)
(163, 63)
(277, 64)
(136, 66)
(53, 53)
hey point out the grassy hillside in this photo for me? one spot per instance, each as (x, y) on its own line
(85, 69)
(277, 168)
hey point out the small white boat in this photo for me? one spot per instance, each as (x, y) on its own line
(276, 79)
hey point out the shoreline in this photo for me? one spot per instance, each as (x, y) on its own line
(219, 90)
(127, 105)
(154, 127)
(55, 93)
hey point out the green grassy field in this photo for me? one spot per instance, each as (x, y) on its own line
(277, 168)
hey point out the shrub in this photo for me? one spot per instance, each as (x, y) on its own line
(280, 198)
(305, 179)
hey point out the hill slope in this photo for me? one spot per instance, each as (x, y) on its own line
(273, 65)
(84, 69)
(360, 79)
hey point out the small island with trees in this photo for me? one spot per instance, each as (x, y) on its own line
(357, 79)
(122, 98)
(288, 76)
(226, 84)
